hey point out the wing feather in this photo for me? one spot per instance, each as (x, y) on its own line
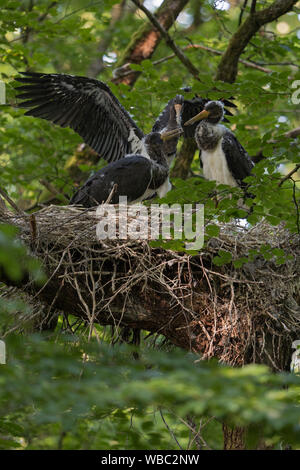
(238, 160)
(85, 105)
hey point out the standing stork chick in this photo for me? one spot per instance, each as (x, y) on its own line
(223, 158)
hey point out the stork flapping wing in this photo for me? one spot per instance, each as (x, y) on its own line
(84, 104)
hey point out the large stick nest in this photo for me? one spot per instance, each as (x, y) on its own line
(241, 315)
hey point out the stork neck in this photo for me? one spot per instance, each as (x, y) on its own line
(158, 156)
(208, 135)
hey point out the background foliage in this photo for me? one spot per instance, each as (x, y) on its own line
(58, 391)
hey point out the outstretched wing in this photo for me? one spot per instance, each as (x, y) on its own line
(86, 105)
(238, 160)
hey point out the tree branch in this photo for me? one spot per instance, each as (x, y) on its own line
(288, 176)
(11, 202)
(128, 283)
(146, 40)
(127, 71)
(228, 66)
(169, 41)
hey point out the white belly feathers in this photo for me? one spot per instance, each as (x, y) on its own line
(215, 166)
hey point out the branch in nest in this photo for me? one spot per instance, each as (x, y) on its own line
(221, 312)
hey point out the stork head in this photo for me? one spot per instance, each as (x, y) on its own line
(213, 112)
(153, 139)
(178, 103)
(154, 145)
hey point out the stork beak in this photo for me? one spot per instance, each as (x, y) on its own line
(178, 109)
(171, 134)
(204, 114)
(174, 132)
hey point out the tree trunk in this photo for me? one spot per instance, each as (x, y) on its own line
(234, 438)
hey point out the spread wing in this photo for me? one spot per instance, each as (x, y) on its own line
(86, 105)
(238, 160)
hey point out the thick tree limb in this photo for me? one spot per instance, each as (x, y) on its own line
(216, 311)
(147, 38)
(184, 159)
(169, 41)
(228, 67)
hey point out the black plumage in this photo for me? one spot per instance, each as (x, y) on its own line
(223, 158)
(193, 107)
(87, 106)
(90, 108)
(238, 159)
(189, 109)
(134, 176)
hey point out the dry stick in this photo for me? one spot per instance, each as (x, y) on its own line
(169, 41)
(169, 429)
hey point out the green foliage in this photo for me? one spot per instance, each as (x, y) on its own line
(14, 259)
(64, 390)
(66, 393)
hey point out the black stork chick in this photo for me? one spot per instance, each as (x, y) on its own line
(89, 107)
(167, 122)
(134, 176)
(223, 158)
(190, 108)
